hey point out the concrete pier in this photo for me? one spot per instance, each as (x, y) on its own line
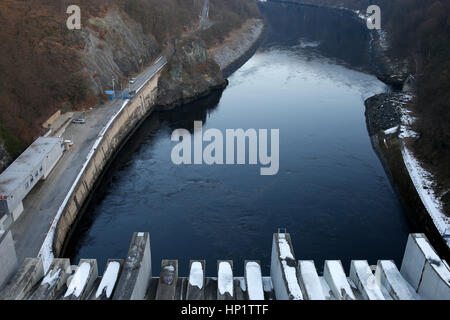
(337, 280)
(104, 289)
(20, 286)
(181, 288)
(211, 289)
(253, 280)
(365, 281)
(424, 275)
(424, 270)
(388, 276)
(225, 280)
(240, 289)
(167, 280)
(310, 281)
(82, 282)
(283, 269)
(54, 281)
(137, 269)
(196, 285)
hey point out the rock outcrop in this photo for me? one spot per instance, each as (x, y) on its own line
(115, 46)
(190, 74)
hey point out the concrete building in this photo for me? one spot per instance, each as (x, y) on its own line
(22, 175)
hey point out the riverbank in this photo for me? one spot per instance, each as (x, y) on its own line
(389, 125)
(239, 46)
(194, 70)
(389, 121)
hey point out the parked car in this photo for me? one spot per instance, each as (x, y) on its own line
(79, 121)
(132, 80)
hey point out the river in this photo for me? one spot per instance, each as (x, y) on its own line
(331, 192)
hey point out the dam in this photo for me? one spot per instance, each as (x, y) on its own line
(331, 190)
(422, 275)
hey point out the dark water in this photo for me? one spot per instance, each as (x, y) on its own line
(331, 192)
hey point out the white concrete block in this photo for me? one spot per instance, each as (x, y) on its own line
(425, 270)
(362, 276)
(388, 276)
(337, 280)
(310, 281)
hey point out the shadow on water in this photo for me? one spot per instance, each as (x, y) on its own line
(180, 117)
(336, 34)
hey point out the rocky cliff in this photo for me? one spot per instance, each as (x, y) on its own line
(190, 74)
(114, 47)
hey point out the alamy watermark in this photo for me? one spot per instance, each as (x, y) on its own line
(374, 18)
(235, 140)
(74, 20)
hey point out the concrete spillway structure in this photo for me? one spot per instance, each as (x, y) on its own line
(423, 275)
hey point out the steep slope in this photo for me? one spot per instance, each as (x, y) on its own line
(45, 67)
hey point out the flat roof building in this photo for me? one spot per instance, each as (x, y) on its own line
(21, 176)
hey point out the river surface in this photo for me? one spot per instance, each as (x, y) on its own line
(331, 192)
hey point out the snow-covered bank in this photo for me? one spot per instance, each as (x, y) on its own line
(423, 180)
(388, 115)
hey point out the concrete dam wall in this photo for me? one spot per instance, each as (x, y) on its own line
(132, 113)
(423, 275)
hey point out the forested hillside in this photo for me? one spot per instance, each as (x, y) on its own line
(43, 64)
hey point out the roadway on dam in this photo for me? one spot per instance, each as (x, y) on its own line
(43, 202)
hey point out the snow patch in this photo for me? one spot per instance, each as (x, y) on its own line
(196, 275)
(51, 278)
(285, 249)
(291, 279)
(421, 178)
(254, 281)
(225, 278)
(109, 279)
(79, 280)
(170, 268)
(391, 130)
